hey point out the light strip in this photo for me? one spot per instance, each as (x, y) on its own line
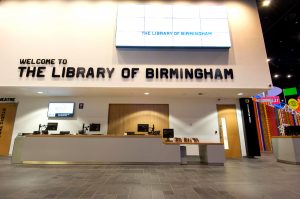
(224, 130)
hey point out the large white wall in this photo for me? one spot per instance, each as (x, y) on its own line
(188, 117)
(83, 32)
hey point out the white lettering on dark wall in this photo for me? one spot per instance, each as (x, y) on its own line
(36, 68)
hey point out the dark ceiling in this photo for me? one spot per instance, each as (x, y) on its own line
(281, 24)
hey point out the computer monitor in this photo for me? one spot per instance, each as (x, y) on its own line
(94, 127)
(36, 132)
(64, 132)
(292, 130)
(143, 127)
(168, 133)
(52, 126)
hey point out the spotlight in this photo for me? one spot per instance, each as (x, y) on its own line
(266, 3)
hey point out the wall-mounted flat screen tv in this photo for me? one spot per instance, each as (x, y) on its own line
(61, 109)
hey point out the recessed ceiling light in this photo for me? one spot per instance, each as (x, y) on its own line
(266, 3)
(268, 60)
(276, 76)
(146, 93)
(240, 94)
(40, 92)
(289, 76)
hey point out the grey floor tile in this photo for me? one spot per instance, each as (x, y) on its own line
(261, 177)
(122, 196)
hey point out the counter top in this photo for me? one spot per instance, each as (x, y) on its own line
(197, 143)
(89, 136)
(122, 136)
(295, 136)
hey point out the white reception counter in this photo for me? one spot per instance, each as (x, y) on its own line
(286, 149)
(93, 149)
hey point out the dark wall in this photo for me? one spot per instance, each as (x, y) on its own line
(251, 136)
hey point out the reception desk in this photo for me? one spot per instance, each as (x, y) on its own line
(210, 153)
(93, 149)
(286, 149)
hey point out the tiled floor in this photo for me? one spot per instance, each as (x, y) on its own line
(248, 178)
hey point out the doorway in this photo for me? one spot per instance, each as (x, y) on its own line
(228, 128)
(7, 120)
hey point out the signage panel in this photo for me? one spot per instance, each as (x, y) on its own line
(172, 26)
(271, 99)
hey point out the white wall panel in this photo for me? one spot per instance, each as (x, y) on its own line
(84, 33)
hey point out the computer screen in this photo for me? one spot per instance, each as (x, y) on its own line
(292, 130)
(168, 133)
(64, 132)
(52, 126)
(143, 127)
(94, 127)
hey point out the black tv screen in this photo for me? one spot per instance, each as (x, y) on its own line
(61, 109)
(143, 127)
(168, 133)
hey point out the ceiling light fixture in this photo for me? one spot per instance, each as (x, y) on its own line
(240, 94)
(146, 93)
(289, 76)
(266, 3)
(40, 92)
(276, 76)
(268, 60)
